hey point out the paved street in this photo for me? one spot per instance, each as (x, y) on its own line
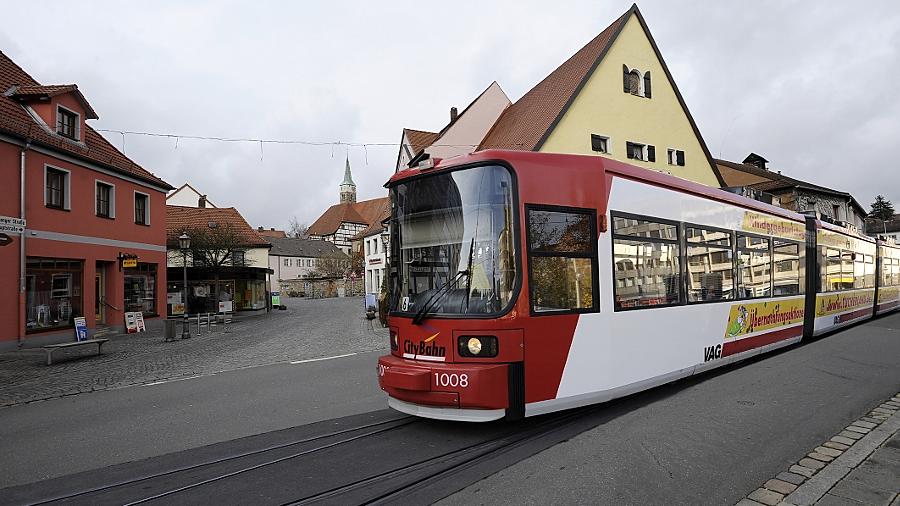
(309, 328)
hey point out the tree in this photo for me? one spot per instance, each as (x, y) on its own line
(215, 247)
(882, 209)
(358, 262)
(297, 229)
(331, 265)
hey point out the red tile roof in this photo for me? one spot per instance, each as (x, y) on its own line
(182, 218)
(366, 213)
(524, 124)
(17, 122)
(419, 139)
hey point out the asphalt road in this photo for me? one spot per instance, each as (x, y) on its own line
(88, 431)
(712, 439)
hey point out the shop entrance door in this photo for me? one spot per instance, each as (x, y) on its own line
(99, 293)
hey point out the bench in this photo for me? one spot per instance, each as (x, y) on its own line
(50, 348)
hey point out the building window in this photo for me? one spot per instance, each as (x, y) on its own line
(105, 200)
(562, 255)
(52, 293)
(57, 188)
(599, 143)
(141, 208)
(646, 262)
(755, 271)
(836, 211)
(637, 151)
(710, 264)
(676, 157)
(635, 83)
(67, 123)
(238, 258)
(140, 289)
(287, 262)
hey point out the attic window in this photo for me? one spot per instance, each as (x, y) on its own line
(67, 123)
(599, 143)
(676, 157)
(212, 224)
(636, 83)
(636, 151)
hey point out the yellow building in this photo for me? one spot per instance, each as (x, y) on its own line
(615, 97)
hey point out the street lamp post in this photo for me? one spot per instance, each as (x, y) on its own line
(184, 243)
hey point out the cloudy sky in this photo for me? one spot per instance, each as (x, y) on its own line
(810, 85)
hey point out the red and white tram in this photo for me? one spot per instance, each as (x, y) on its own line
(523, 283)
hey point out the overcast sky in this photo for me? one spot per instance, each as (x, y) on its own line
(810, 85)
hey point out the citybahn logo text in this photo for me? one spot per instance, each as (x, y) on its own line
(424, 348)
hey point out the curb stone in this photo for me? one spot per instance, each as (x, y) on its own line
(808, 480)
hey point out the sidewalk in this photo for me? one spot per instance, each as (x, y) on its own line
(309, 328)
(858, 466)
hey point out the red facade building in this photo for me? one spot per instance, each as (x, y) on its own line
(95, 238)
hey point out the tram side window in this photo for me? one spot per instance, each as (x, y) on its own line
(646, 269)
(710, 264)
(563, 259)
(831, 270)
(847, 278)
(870, 271)
(755, 267)
(786, 277)
(890, 271)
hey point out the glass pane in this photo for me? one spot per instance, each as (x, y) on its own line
(559, 283)
(847, 278)
(754, 274)
(560, 232)
(859, 271)
(755, 243)
(52, 293)
(140, 288)
(646, 273)
(711, 237)
(710, 273)
(454, 228)
(644, 228)
(787, 268)
(870, 272)
(831, 270)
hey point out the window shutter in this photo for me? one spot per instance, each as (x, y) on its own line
(629, 148)
(679, 155)
(647, 84)
(625, 82)
(651, 153)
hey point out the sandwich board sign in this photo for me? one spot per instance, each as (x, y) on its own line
(81, 333)
(134, 322)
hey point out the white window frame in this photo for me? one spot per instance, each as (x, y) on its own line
(67, 187)
(146, 210)
(77, 137)
(112, 198)
(606, 139)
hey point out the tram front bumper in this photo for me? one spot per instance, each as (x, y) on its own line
(464, 385)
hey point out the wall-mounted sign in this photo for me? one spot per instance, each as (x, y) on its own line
(129, 262)
(374, 261)
(13, 225)
(5, 239)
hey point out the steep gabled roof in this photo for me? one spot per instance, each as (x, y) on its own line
(188, 186)
(17, 122)
(182, 218)
(528, 123)
(419, 139)
(35, 92)
(363, 213)
(525, 124)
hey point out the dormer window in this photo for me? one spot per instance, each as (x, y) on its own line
(67, 123)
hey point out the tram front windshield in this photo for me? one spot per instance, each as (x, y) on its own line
(453, 249)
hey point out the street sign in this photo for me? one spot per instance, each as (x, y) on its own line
(5, 239)
(10, 224)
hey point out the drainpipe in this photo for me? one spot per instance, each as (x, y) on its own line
(20, 332)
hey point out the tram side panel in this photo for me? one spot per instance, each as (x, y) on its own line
(888, 297)
(846, 291)
(659, 320)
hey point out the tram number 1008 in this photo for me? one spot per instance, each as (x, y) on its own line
(451, 380)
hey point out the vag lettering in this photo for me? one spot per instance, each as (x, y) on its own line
(712, 352)
(423, 348)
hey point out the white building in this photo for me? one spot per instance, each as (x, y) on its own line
(376, 250)
(188, 196)
(295, 258)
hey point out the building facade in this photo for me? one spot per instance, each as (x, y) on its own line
(293, 258)
(374, 243)
(93, 244)
(228, 261)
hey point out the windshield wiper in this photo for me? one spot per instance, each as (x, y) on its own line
(444, 289)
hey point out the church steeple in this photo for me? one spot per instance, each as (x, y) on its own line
(348, 187)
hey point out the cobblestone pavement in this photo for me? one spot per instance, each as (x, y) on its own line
(309, 328)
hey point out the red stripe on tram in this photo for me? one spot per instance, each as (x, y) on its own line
(749, 343)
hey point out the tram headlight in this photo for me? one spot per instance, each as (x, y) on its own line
(477, 346)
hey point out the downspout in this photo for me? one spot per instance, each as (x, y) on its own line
(20, 332)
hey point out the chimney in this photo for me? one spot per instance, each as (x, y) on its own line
(453, 114)
(272, 229)
(259, 229)
(202, 201)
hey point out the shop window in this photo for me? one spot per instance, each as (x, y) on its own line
(710, 264)
(646, 263)
(787, 260)
(563, 258)
(140, 289)
(755, 267)
(53, 293)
